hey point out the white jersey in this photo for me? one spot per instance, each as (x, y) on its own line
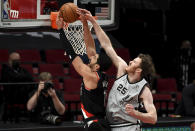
(123, 92)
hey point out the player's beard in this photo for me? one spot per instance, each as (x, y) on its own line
(130, 69)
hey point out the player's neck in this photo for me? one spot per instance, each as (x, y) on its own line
(133, 78)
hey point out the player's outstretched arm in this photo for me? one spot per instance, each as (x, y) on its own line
(105, 42)
(78, 64)
(89, 41)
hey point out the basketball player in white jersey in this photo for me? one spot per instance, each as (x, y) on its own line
(130, 90)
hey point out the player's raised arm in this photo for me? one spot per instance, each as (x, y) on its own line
(78, 64)
(106, 44)
(88, 39)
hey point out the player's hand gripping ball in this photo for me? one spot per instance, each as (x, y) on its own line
(68, 12)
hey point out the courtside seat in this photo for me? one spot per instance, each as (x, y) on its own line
(57, 84)
(29, 68)
(4, 55)
(72, 85)
(30, 55)
(178, 96)
(56, 56)
(73, 106)
(0, 68)
(164, 103)
(72, 97)
(72, 90)
(166, 85)
(73, 73)
(56, 70)
(72, 101)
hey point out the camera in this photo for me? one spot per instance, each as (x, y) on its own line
(48, 118)
(47, 86)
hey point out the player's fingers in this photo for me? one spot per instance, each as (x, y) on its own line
(60, 14)
(78, 11)
(129, 106)
(85, 11)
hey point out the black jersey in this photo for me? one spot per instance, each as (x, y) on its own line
(92, 100)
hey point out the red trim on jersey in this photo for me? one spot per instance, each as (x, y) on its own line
(87, 88)
(87, 113)
(97, 75)
(97, 78)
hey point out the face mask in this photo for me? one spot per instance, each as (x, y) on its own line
(15, 64)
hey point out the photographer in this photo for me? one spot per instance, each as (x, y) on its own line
(46, 103)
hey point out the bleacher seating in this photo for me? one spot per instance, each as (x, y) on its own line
(58, 85)
(4, 55)
(29, 68)
(30, 56)
(72, 85)
(56, 56)
(164, 103)
(56, 70)
(73, 73)
(167, 95)
(0, 68)
(166, 85)
(72, 96)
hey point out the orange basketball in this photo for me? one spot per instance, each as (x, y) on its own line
(68, 12)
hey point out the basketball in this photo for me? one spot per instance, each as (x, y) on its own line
(68, 12)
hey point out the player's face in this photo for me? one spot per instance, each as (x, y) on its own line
(133, 65)
(93, 60)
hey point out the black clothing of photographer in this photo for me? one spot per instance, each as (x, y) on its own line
(46, 102)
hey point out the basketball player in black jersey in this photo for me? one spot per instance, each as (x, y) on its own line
(94, 80)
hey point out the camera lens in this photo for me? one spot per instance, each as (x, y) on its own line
(53, 119)
(47, 86)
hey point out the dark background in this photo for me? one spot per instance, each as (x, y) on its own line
(156, 27)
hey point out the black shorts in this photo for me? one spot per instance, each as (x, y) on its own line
(101, 125)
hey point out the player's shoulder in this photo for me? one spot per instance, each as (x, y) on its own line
(146, 91)
(122, 76)
(92, 76)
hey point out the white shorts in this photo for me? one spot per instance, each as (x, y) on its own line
(127, 128)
